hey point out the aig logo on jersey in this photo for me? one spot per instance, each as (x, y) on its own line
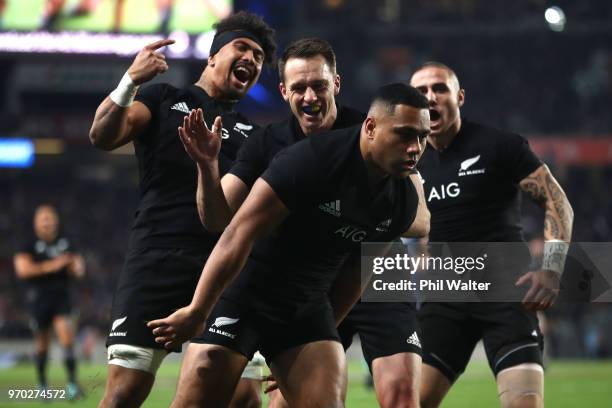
(444, 191)
(465, 167)
(351, 233)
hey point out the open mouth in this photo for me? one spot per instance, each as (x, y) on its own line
(410, 163)
(311, 110)
(434, 115)
(242, 74)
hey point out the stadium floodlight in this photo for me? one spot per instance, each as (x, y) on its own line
(555, 17)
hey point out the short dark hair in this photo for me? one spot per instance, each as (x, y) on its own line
(243, 20)
(399, 94)
(436, 64)
(307, 48)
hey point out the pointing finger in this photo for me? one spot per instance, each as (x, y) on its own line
(158, 44)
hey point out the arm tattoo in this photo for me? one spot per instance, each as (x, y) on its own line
(542, 187)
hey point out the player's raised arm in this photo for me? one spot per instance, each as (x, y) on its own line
(259, 215)
(217, 198)
(544, 189)
(118, 120)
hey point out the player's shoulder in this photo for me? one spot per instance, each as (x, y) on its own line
(278, 129)
(348, 117)
(337, 140)
(27, 245)
(487, 133)
(160, 88)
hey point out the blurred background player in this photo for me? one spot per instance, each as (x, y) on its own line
(484, 170)
(168, 245)
(309, 83)
(47, 265)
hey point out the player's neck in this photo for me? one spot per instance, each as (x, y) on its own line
(443, 140)
(375, 173)
(212, 90)
(46, 237)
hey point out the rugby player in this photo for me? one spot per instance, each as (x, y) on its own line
(310, 84)
(317, 201)
(168, 245)
(473, 175)
(48, 265)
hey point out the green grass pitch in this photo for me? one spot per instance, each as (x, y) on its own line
(568, 384)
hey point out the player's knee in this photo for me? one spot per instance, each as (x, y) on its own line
(124, 396)
(428, 400)
(323, 398)
(397, 393)
(209, 359)
(250, 398)
(526, 399)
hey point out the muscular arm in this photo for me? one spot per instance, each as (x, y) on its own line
(114, 126)
(261, 213)
(542, 187)
(218, 199)
(26, 267)
(420, 226)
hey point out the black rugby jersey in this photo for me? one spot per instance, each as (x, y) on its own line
(41, 251)
(259, 150)
(472, 188)
(167, 215)
(323, 181)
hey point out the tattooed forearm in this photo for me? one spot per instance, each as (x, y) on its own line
(542, 187)
(531, 186)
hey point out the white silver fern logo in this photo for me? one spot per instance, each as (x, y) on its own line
(242, 126)
(466, 164)
(224, 321)
(118, 323)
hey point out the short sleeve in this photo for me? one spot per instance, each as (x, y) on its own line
(25, 247)
(151, 96)
(294, 176)
(251, 160)
(518, 159)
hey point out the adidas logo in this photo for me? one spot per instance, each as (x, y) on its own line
(384, 226)
(414, 340)
(332, 208)
(181, 107)
(534, 333)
